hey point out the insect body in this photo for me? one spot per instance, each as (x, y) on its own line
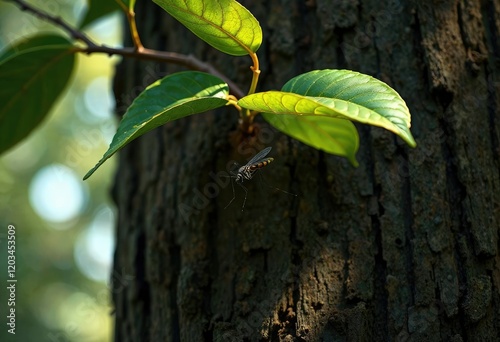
(247, 171)
(257, 162)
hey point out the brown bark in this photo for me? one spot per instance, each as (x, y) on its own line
(403, 248)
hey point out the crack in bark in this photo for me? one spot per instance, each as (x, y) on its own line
(142, 294)
(408, 224)
(492, 105)
(381, 323)
(456, 193)
(175, 262)
(380, 295)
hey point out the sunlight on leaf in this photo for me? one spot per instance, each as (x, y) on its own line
(339, 94)
(224, 24)
(383, 102)
(334, 136)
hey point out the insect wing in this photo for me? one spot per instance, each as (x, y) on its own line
(259, 156)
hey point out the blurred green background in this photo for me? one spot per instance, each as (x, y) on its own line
(64, 226)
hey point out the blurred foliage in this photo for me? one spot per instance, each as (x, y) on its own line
(56, 297)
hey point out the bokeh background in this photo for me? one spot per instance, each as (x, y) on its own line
(64, 226)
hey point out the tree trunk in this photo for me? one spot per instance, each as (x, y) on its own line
(402, 248)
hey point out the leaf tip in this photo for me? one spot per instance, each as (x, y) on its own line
(411, 141)
(92, 170)
(88, 174)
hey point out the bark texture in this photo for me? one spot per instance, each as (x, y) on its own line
(403, 248)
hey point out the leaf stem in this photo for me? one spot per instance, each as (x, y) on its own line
(245, 121)
(247, 116)
(133, 30)
(233, 101)
(256, 73)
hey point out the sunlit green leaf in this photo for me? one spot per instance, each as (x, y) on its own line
(380, 105)
(98, 9)
(224, 24)
(171, 98)
(340, 94)
(30, 83)
(334, 136)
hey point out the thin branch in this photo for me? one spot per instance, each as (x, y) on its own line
(188, 61)
(24, 6)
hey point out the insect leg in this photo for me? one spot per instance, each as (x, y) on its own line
(246, 193)
(234, 194)
(273, 187)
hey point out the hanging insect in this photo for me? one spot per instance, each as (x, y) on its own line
(247, 171)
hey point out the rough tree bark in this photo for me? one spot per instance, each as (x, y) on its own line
(403, 248)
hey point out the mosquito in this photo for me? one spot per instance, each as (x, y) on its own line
(247, 171)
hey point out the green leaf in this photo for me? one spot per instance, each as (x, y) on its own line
(30, 83)
(334, 136)
(171, 98)
(339, 94)
(380, 105)
(34, 42)
(97, 9)
(224, 24)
